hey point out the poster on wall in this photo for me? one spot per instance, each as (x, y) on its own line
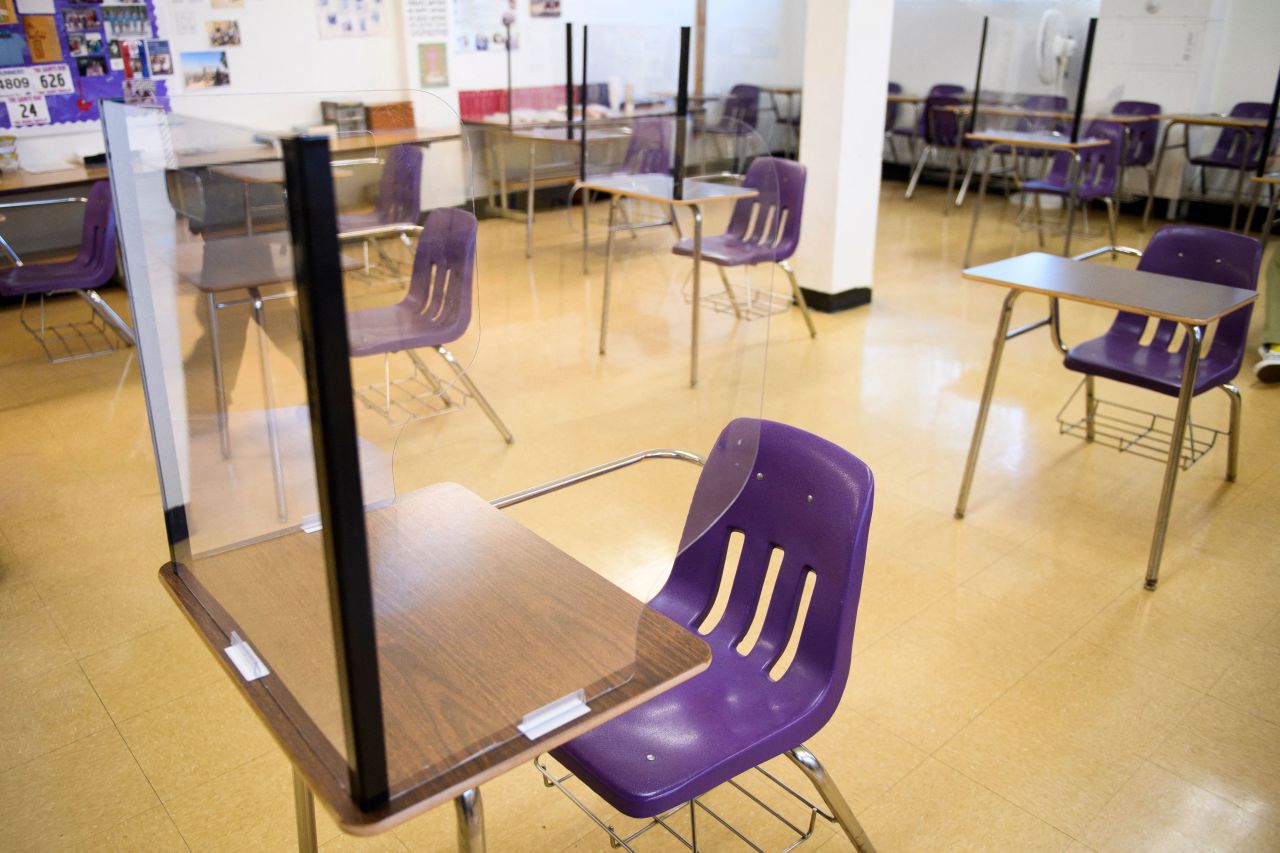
(351, 18)
(433, 65)
(159, 57)
(427, 19)
(205, 69)
(42, 38)
(223, 33)
(478, 25)
(544, 8)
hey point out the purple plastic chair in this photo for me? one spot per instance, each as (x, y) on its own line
(91, 268)
(1237, 148)
(740, 118)
(398, 209)
(435, 311)
(940, 134)
(1141, 149)
(770, 237)
(812, 501)
(649, 148)
(1186, 251)
(1097, 177)
(920, 129)
(891, 111)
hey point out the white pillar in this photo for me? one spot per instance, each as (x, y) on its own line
(846, 74)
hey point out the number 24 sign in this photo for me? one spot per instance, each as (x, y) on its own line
(28, 112)
(36, 80)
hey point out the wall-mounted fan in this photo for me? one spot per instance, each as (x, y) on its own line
(1054, 47)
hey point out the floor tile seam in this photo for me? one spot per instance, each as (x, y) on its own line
(1083, 836)
(124, 642)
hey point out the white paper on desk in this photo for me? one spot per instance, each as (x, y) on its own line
(35, 7)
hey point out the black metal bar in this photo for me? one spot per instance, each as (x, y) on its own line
(1266, 137)
(568, 79)
(682, 117)
(582, 146)
(977, 80)
(323, 320)
(1084, 80)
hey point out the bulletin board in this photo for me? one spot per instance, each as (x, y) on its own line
(58, 58)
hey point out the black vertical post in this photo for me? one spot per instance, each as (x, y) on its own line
(682, 117)
(568, 79)
(977, 80)
(1084, 80)
(1270, 132)
(323, 320)
(582, 146)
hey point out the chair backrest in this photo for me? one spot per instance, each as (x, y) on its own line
(941, 126)
(443, 269)
(97, 255)
(1203, 254)
(743, 105)
(937, 90)
(1043, 124)
(400, 188)
(891, 107)
(772, 218)
(1099, 166)
(1234, 143)
(1142, 134)
(948, 89)
(784, 490)
(649, 147)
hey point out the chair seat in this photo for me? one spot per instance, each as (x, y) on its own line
(1153, 368)
(47, 278)
(393, 328)
(1053, 188)
(728, 251)
(348, 222)
(1222, 162)
(700, 734)
(731, 129)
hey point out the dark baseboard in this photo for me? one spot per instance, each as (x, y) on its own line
(830, 303)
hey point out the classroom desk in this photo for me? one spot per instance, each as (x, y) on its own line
(660, 189)
(1270, 181)
(20, 180)
(524, 624)
(1189, 121)
(260, 173)
(1015, 140)
(556, 137)
(792, 118)
(1191, 304)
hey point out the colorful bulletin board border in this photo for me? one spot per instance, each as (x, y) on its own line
(59, 58)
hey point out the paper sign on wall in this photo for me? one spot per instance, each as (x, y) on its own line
(36, 80)
(28, 112)
(42, 38)
(35, 7)
(427, 19)
(8, 14)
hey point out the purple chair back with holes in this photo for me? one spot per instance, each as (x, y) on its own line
(942, 127)
(649, 148)
(1234, 142)
(784, 490)
(1142, 134)
(1044, 124)
(91, 268)
(743, 105)
(437, 308)
(400, 188)
(891, 107)
(1186, 251)
(780, 202)
(1099, 167)
(938, 90)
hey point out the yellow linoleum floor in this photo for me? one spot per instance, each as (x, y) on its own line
(1013, 686)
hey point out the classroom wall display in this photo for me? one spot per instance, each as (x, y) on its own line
(544, 8)
(352, 18)
(433, 65)
(223, 33)
(58, 58)
(426, 19)
(205, 69)
(477, 24)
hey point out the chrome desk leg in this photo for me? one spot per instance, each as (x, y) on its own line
(1155, 175)
(988, 389)
(269, 399)
(470, 811)
(1233, 440)
(1239, 193)
(608, 273)
(1090, 406)
(1073, 177)
(1195, 336)
(799, 297)
(817, 775)
(1268, 223)
(304, 810)
(219, 383)
(977, 203)
(697, 294)
(586, 206)
(528, 214)
(248, 210)
(474, 392)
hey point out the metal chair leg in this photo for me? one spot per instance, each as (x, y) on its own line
(1233, 437)
(1111, 223)
(817, 775)
(728, 289)
(469, 809)
(799, 297)
(474, 392)
(304, 810)
(968, 178)
(915, 174)
(1090, 406)
(1039, 221)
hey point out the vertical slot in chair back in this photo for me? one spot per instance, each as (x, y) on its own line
(443, 269)
(1240, 146)
(771, 220)
(1142, 134)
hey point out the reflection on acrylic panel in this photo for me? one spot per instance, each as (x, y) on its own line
(205, 69)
